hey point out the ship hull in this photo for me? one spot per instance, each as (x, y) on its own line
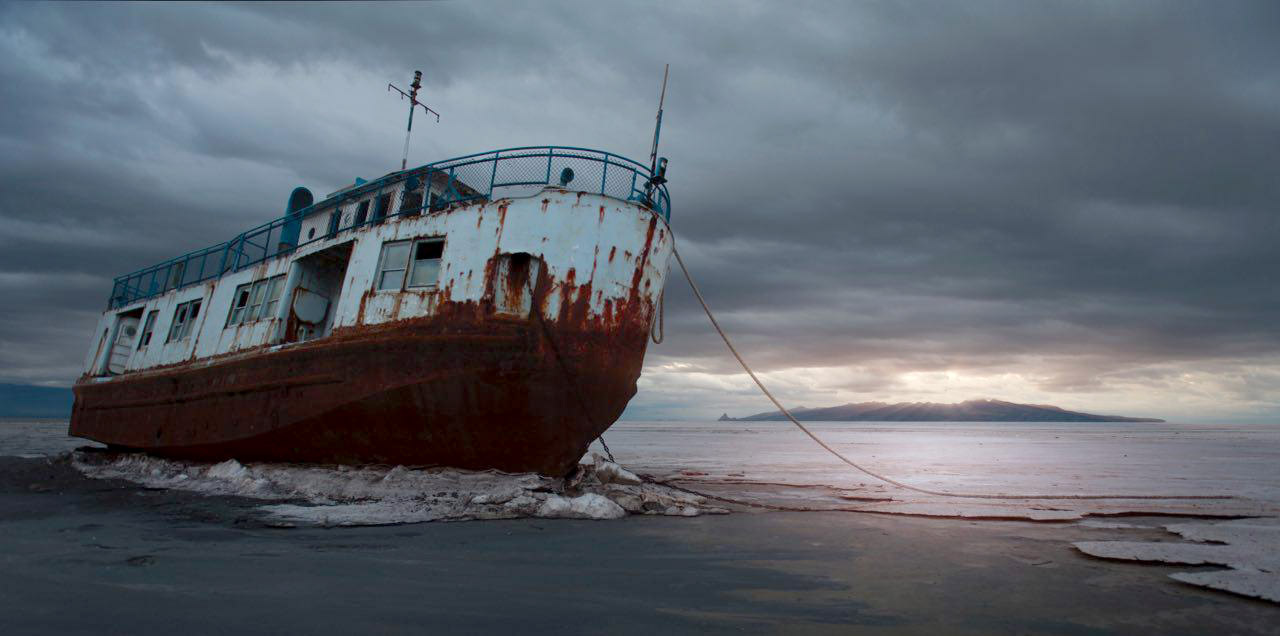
(456, 390)
(527, 349)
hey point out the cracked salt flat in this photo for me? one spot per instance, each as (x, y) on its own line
(1248, 546)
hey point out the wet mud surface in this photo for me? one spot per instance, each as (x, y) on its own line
(85, 555)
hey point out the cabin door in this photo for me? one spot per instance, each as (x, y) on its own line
(122, 348)
(318, 289)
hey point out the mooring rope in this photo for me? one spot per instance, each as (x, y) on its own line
(851, 463)
(657, 327)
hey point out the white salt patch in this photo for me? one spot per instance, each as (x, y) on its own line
(588, 506)
(1252, 583)
(230, 469)
(1250, 547)
(346, 495)
(611, 473)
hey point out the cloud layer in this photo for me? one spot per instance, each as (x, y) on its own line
(1073, 203)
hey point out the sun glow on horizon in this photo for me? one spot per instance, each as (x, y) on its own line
(1171, 393)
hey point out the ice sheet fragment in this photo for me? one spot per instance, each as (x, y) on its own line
(1250, 547)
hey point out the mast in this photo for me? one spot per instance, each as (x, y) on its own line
(657, 170)
(657, 127)
(413, 101)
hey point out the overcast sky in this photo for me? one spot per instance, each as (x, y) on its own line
(1067, 203)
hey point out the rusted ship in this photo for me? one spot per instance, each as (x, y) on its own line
(489, 311)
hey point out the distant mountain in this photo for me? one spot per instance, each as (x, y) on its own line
(25, 400)
(970, 411)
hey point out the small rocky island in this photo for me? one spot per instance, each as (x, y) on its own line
(969, 411)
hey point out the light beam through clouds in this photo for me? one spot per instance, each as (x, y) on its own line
(1066, 203)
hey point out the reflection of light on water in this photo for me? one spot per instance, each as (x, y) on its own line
(1001, 457)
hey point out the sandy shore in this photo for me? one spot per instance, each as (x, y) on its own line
(95, 556)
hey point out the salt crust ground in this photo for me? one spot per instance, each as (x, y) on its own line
(1250, 547)
(1247, 546)
(346, 496)
(352, 496)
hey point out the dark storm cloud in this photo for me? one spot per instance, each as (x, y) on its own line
(1082, 191)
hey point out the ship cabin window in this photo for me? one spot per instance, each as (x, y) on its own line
(255, 301)
(184, 319)
(419, 259)
(335, 218)
(380, 210)
(362, 213)
(411, 203)
(394, 263)
(275, 285)
(238, 304)
(147, 328)
(425, 270)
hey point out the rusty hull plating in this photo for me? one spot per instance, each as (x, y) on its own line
(461, 382)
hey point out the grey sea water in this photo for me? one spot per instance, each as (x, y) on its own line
(27, 437)
(991, 457)
(1241, 460)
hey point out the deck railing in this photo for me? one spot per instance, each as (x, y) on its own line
(459, 180)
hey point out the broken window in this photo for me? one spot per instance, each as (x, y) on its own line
(411, 203)
(179, 319)
(147, 327)
(239, 302)
(256, 300)
(380, 210)
(362, 212)
(392, 265)
(184, 319)
(425, 269)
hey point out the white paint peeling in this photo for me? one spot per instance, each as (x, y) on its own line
(586, 238)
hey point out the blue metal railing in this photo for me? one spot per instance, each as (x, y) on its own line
(459, 180)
